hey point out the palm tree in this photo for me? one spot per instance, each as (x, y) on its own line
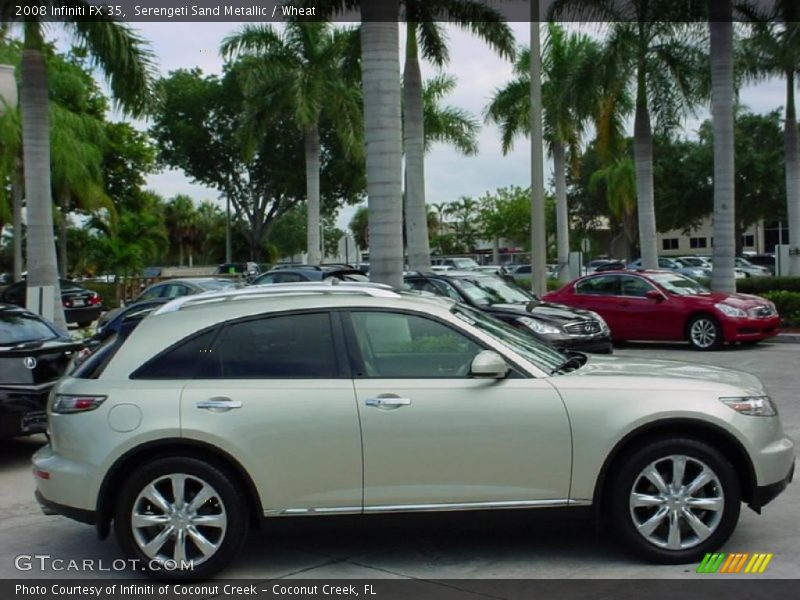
(722, 94)
(569, 98)
(773, 49)
(303, 69)
(660, 53)
(425, 36)
(122, 56)
(618, 178)
(181, 220)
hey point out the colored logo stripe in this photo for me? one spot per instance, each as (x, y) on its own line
(721, 562)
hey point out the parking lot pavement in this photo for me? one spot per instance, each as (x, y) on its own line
(470, 545)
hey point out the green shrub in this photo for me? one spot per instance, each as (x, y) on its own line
(788, 305)
(761, 285)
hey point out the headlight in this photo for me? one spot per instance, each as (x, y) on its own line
(538, 326)
(752, 406)
(728, 310)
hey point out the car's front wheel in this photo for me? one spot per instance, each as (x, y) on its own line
(674, 500)
(180, 518)
(705, 333)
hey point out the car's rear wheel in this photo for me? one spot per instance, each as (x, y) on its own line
(674, 500)
(181, 518)
(704, 333)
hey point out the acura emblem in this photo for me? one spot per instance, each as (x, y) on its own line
(30, 362)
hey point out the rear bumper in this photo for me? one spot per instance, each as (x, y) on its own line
(53, 508)
(83, 315)
(23, 412)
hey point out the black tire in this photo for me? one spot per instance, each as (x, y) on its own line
(228, 502)
(703, 332)
(629, 478)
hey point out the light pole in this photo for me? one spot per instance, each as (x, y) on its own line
(8, 101)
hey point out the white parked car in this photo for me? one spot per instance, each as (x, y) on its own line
(230, 407)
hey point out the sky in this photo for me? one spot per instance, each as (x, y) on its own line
(448, 174)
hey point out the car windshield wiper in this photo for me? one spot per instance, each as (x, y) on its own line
(573, 362)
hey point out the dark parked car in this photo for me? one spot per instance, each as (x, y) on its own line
(561, 326)
(169, 290)
(34, 354)
(81, 305)
(310, 273)
(248, 270)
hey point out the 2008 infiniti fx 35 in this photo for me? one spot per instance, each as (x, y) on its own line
(308, 399)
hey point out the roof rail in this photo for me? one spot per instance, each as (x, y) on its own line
(363, 288)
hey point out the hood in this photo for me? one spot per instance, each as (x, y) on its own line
(603, 366)
(557, 314)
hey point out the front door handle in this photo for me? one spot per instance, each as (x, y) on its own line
(220, 404)
(388, 402)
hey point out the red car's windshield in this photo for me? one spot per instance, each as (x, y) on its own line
(678, 284)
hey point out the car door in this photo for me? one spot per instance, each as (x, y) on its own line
(647, 319)
(436, 438)
(276, 394)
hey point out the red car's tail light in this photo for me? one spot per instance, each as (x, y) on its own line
(65, 404)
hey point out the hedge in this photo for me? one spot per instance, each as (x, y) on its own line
(788, 305)
(762, 285)
(107, 291)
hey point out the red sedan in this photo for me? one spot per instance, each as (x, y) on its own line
(663, 305)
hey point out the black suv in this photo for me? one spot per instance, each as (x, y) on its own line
(560, 326)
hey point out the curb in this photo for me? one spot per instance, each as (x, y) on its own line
(786, 338)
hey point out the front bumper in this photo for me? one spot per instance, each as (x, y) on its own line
(596, 345)
(750, 329)
(765, 494)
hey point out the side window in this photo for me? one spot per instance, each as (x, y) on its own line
(607, 285)
(176, 290)
(285, 347)
(423, 285)
(635, 286)
(288, 278)
(445, 289)
(152, 293)
(405, 346)
(179, 362)
(269, 278)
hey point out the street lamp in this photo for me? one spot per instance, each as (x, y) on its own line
(8, 101)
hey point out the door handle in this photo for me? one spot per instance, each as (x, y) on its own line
(220, 404)
(390, 402)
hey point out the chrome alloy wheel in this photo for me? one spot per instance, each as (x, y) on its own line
(676, 502)
(179, 517)
(703, 332)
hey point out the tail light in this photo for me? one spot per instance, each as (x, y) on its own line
(65, 404)
(94, 299)
(67, 303)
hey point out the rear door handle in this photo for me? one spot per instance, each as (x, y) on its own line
(391, 402)
(220, 404)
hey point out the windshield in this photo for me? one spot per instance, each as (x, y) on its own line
(691, 261)
(215, 284)
(464, 263)
(486, 291)
(541, 355)
(678, 284)
(15, 329)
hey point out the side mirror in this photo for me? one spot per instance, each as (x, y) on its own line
(489, 364)
(655, 295)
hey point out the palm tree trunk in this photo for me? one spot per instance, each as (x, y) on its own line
(722, 93)
(538, 232)
(643, 157)
(17, 192)
(42, 265)
(562, 213)
(383, 135)
(63, 202)
(312, 193)
(419, 252)
(792, 159)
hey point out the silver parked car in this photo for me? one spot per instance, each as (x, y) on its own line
(314, 399)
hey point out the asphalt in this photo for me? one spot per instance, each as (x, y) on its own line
(511, 544)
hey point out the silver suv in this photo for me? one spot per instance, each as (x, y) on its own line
(225, 408)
